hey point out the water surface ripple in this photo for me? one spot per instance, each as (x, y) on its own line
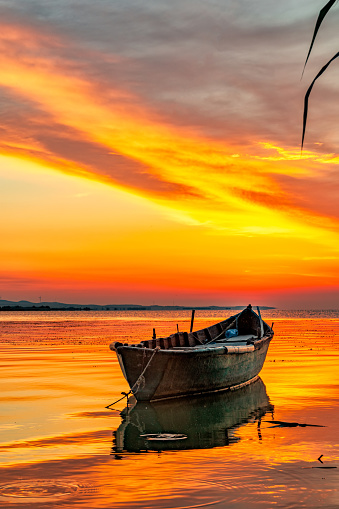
(60, 447)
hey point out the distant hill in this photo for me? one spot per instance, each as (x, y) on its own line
(46, 306)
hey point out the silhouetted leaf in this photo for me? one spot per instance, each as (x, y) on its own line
(322, 70)
(320, 19)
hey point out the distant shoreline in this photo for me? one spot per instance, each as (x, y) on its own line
(26, 306)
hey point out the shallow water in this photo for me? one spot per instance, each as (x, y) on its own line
(60, 446)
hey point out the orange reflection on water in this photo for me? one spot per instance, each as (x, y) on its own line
(59, 375)
(302, 361)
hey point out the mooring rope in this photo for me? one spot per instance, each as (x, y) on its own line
(137, 384)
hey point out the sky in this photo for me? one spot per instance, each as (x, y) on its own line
(150, 153)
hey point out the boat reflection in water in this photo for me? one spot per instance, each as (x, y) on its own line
(198, 422)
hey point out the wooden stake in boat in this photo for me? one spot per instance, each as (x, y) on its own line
(192, 320)
(177, 328)
(154, 334)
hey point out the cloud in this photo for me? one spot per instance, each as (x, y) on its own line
(222, 70)
(150, 109)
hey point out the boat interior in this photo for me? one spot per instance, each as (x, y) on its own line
(249, 325)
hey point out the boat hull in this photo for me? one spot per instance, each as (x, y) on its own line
(175, 373)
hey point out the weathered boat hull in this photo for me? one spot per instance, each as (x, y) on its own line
(175, 373)
(206, 360)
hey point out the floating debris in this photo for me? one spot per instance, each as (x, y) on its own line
(164, 436)
(283, 424)
(319, 459)
(324, 467)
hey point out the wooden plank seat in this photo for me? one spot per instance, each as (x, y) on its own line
(243, 338)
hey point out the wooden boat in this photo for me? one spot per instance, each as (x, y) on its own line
(195, 422)
(197, 362)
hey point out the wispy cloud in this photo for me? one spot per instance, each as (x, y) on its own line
(193, 105)
(87, 116)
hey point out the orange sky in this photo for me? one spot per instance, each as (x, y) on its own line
(152, 155)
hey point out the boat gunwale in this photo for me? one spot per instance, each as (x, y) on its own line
(218, 349)
(209, 346)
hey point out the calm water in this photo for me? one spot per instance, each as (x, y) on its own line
(60, 446)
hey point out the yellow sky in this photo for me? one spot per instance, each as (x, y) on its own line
(107, 198)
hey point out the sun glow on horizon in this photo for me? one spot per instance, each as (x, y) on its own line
(159, 206)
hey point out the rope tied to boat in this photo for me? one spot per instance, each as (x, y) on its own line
(140, 380)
